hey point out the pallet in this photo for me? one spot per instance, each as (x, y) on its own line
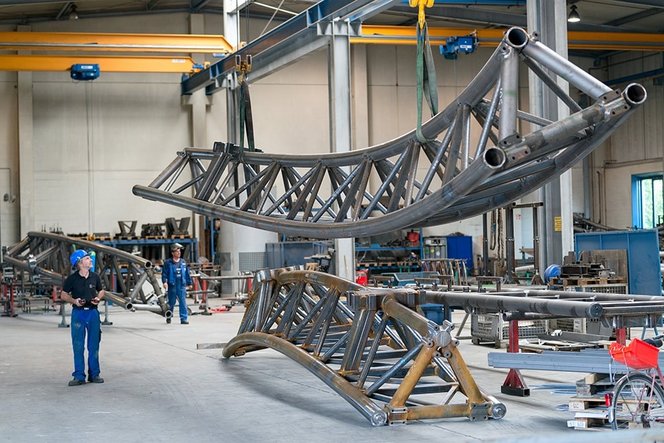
(579, 403)
(587, 424)
(586, 281)
(180, 236)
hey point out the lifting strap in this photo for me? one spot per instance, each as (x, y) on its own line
(246, 118)
(425, 69)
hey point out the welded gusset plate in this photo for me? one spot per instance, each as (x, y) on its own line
(482, 152)
(389, 362)
(129, 281)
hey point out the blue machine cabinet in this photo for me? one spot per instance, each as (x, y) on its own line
(461, 246)
(642, 248)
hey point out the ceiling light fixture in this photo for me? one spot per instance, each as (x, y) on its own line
(573, 16)
(73, 15)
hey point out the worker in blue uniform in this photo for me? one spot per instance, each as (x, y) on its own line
(176, 278)
(84, 291)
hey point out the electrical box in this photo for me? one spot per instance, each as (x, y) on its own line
(84, 71)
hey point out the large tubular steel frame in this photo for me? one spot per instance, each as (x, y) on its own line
(372, 347)
(129, 281)
(327, 196)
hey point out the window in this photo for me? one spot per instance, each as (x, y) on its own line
(647, 200)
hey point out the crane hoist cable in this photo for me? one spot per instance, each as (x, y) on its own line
(425, 69)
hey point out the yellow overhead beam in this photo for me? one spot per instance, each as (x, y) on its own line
(406, 35)
(71, 41)
(106, 63)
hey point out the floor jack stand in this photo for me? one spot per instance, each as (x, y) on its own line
(10, 310)
(514, 384)
(106, 321)
(63, 321)
(204, 302)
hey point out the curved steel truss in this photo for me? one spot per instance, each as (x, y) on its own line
(369, 346)
(372, 347)
(129, 281)
(443, 179)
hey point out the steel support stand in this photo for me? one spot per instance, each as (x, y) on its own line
(10, 309)
(63, 320)
(204, 302)
(537, 278)
(509, 244)
(514, 384)
(106, 321)
(485, 244)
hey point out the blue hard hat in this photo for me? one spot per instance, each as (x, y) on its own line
(552, 271)
(76, 256)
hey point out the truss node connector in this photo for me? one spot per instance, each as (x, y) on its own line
(420, 5)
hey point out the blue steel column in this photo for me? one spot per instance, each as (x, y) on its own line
(340, 114)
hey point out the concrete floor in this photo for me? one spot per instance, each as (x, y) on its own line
(160, 387)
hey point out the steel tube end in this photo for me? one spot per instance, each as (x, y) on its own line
(516, 37)
(130, 307)
(635, 94)
(168, 314)
(498, 411)
(379, 419)
(494, 157)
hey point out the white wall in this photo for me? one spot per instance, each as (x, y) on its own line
(637, 148)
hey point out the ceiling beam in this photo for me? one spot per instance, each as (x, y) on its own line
(653, 3)
(634, 17)
(197, 5)
(485, 17)
(63, 10)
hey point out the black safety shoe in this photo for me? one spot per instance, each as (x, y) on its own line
(184, 322)
(168, 320)
(76, 382)
(96, 380)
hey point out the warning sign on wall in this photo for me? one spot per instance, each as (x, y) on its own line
(558, 224)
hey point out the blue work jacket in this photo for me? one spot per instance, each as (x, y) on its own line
(176, 274)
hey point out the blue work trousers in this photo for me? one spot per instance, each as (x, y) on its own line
(85, 322)
(178, 292)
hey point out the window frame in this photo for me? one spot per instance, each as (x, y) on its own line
(637, 203)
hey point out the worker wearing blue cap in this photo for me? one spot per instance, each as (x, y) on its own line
(84, 291)
(176, 279)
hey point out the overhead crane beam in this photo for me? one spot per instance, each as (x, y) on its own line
(103, 42)
(63, 63)
(624, 41)
(298, 35)
(275, 44)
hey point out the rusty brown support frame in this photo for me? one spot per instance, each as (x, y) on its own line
(347, 355)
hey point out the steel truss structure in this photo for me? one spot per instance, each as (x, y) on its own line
(441, 179)
(129, 281)
(372, 347)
